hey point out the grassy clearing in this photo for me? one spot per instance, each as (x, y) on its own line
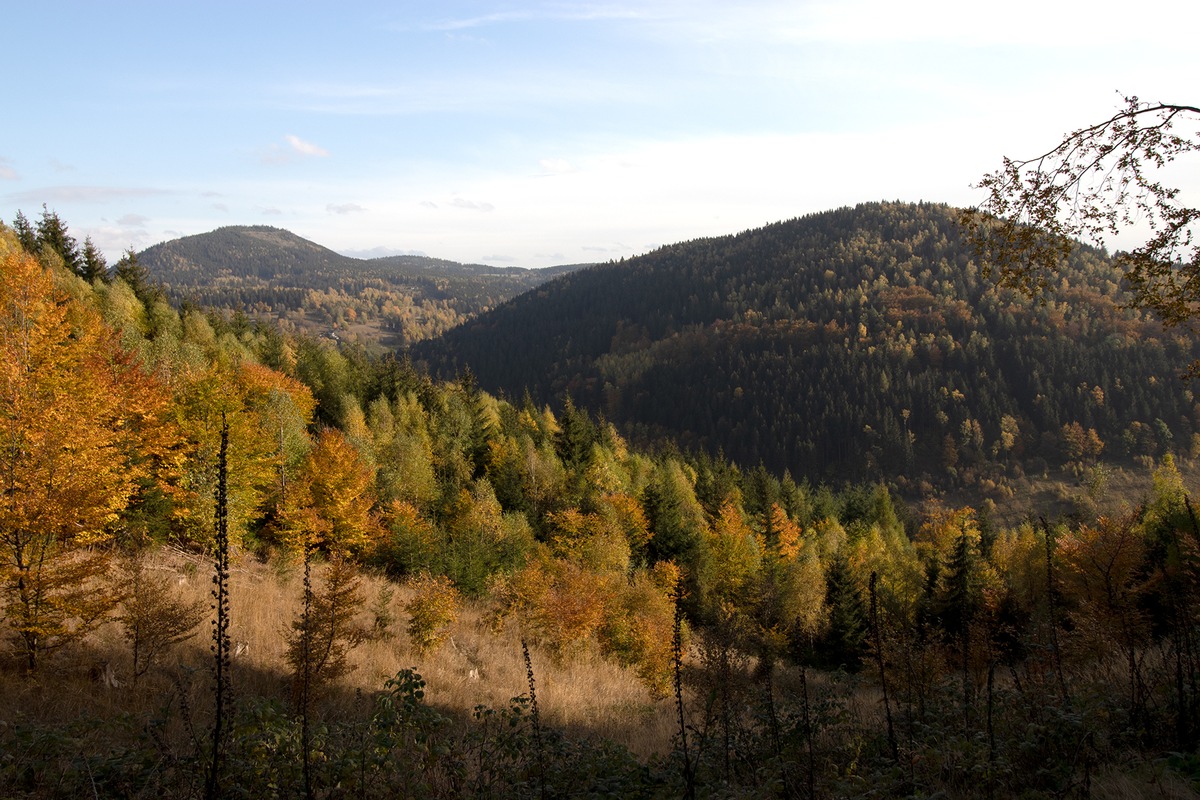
(585, 695)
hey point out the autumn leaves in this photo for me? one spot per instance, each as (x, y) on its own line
(102, 443)
(74, 416)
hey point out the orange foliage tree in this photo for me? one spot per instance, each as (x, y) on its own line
(74, 411)
(331, 505)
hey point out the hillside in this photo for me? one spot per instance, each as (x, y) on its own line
(859, 343)
(164, 464)
(269, 272)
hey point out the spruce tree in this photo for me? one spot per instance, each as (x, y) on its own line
(135, 276)
(52, 234)
(25, 234)
(94, 267)
(844, 643)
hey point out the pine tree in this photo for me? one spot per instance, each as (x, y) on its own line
(960, 599)
(844, 643)
(130, 270)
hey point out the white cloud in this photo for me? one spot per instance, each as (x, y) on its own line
(1057, 25)
(556, 166)
(306, 148)
(7, 173)
(344, 208)
(471, 205)
(133, 221)
(296, 148)
(271, 212)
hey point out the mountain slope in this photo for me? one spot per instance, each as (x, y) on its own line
(269, 271)
(859, 342)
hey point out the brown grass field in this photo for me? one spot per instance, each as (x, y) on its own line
(585, 695)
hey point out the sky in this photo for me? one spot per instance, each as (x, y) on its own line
(541, 133)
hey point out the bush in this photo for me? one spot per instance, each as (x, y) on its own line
(432, 610)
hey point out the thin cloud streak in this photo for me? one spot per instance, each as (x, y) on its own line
(85, 194)
(471, 205)
(515, 90)
(558, 13)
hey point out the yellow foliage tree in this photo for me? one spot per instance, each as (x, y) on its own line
(588, 540)
(1103, 575)
(637, 629)
(72, 416)
(332, 504)
(431, 611)
(267, 414)
(563, 604)
(731, 562)
(787, 534)
(625, 513)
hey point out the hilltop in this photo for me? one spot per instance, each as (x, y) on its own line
(270, 272)
(858, 343)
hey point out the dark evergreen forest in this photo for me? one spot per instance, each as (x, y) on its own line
(858, 343)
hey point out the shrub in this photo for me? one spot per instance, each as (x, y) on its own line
(432, 610)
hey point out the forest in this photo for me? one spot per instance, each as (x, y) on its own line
(857, 344)
(171, 474)
(271, 274)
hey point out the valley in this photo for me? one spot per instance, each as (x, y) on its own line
(813, 510)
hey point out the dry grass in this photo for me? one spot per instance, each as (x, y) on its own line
(1113, 784)
(585, 696)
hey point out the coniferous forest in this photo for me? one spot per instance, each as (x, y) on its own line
(226, 548)
(859, 344)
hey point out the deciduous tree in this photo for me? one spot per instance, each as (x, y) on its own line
(72, 418)
(1096, 182)
(332, 505)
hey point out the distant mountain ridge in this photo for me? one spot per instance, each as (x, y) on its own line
(853, 343)
(394, 300)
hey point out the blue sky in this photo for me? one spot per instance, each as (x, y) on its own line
(539, 133)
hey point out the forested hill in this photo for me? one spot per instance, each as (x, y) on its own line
(862, 342)
(395, 300)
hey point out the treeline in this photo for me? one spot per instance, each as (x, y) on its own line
(853, 344)
(997, 661)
